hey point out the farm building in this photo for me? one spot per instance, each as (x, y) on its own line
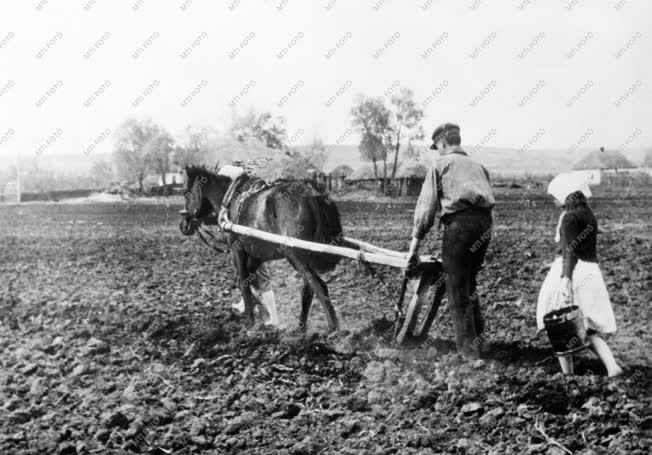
(412, 168)
(172, 178)
(412, 172)
(366, 171)
(343, 170)
(602, 161)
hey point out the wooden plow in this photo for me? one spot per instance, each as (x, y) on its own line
(428, 285)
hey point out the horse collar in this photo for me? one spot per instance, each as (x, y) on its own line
(239, 190)
(233, 190)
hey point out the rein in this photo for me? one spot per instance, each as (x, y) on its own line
(203, 239)
(240, 190)
(198, 230)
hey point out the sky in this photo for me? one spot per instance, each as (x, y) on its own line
(526, 74)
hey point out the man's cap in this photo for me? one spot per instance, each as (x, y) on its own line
(442, 132)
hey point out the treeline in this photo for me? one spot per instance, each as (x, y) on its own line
(387, 126)
(142, 148)
(144, 153)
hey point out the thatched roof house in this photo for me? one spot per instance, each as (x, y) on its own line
(366, 171)
(343, 170)
(603, 159)
(412, 168)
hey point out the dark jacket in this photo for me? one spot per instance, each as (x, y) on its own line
(579, 234)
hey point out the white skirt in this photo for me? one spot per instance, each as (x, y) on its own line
(589, 294)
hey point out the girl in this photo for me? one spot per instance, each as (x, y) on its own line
(575, 277)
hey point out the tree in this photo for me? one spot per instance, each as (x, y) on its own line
(157, 153)
(264, 127)
(129, 152)
(372, 148)
(141, 147)
(405, 119)
(372, 119)
(192, 152)
(101, 174)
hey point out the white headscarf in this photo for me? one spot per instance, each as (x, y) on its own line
(567, 183)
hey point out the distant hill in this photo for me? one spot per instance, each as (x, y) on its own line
(499, 161)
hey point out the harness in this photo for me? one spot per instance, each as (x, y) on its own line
(238, 192)
(240, 189)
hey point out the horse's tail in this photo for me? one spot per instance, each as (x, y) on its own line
(329, 227)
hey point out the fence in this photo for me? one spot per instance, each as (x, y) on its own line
(400, 186)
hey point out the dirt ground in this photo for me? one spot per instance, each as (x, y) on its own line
(117, 336)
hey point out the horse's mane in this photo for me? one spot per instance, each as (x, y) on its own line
(194, 171)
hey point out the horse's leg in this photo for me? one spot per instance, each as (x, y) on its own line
(331, 315)
(307, 294)
(240, 261)
(318, 287)
(252, 266)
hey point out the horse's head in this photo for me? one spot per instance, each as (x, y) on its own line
(203, 196)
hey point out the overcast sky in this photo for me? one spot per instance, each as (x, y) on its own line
(535, 74)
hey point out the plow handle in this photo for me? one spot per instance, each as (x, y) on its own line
(400, 314)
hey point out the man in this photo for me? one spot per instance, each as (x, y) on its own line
(457, 188)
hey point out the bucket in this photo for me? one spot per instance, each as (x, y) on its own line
(565, 329)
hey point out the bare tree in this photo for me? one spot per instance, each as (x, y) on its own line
(101, 173)
(158, 150)
(140, 148)
(372, 119)
(129, 152)
(371, 148)
(405, 119)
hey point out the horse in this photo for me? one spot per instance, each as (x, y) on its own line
(293, 209)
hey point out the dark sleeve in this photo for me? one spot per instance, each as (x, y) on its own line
(572, 229)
